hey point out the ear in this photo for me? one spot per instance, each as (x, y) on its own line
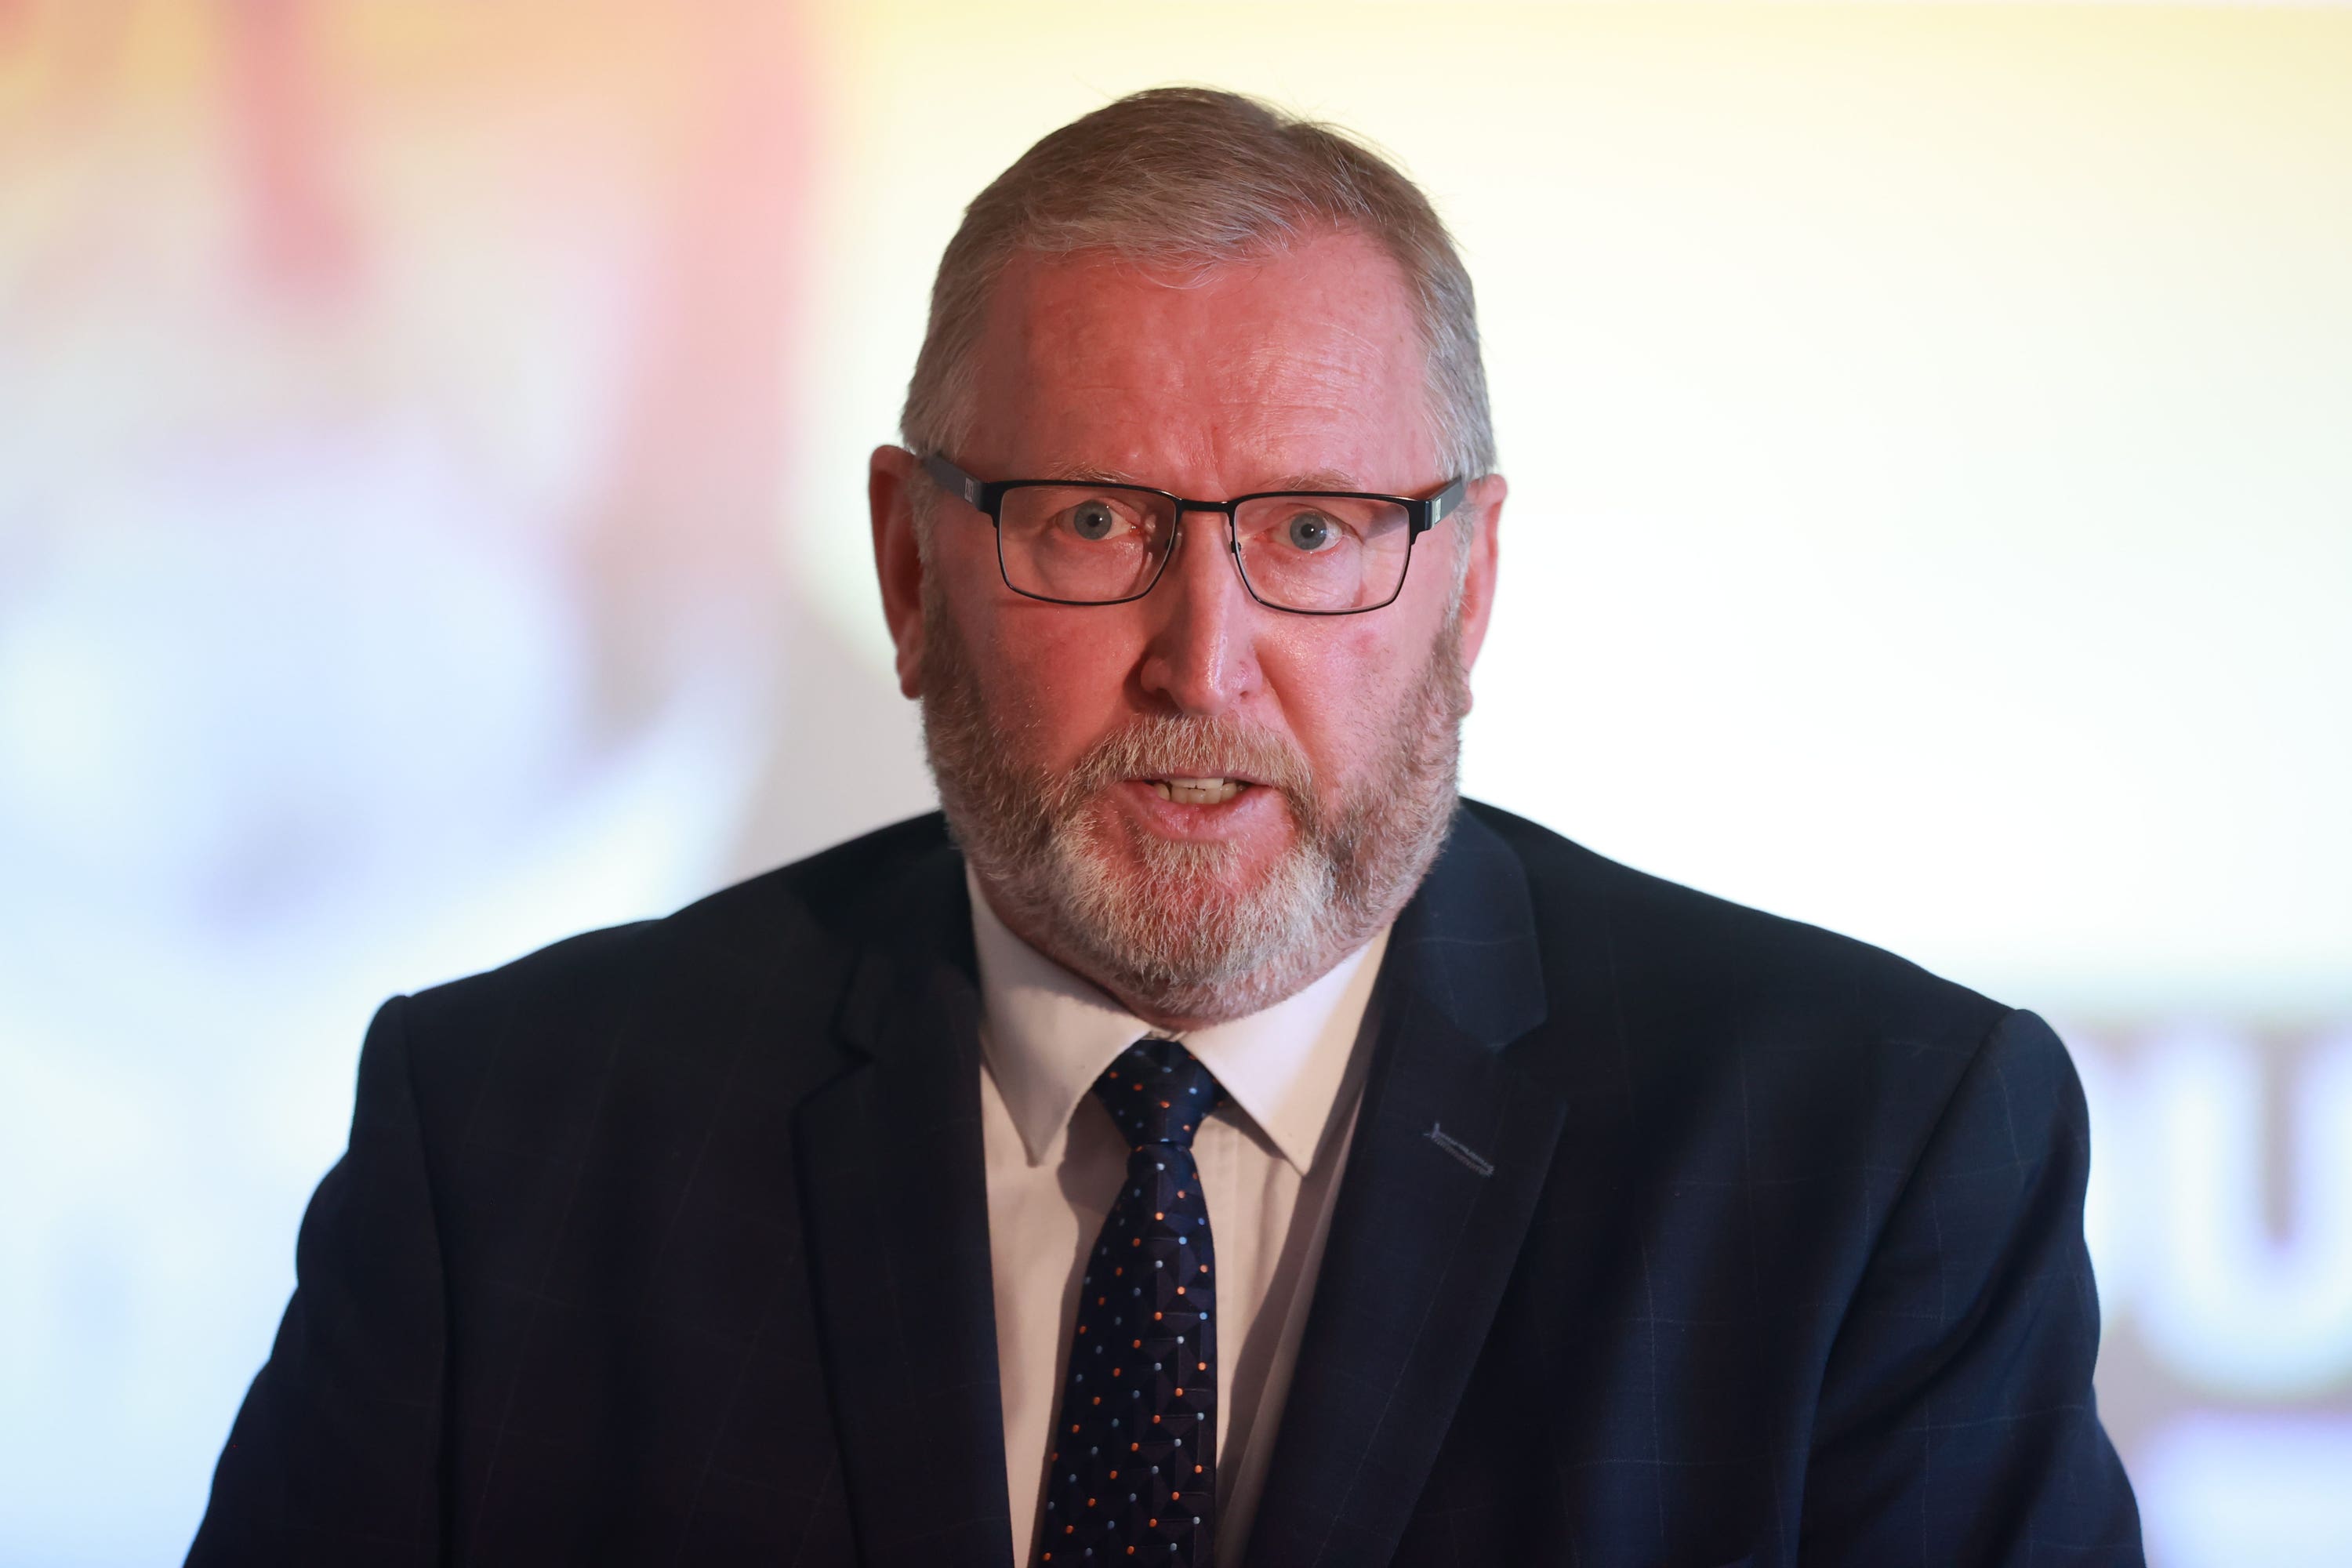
(890, 480)
(1482, 514)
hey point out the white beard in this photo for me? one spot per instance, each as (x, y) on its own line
(1181, 930)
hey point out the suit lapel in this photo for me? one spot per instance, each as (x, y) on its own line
(1451, 1147)
(892, 1181)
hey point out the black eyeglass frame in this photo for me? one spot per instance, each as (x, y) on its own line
(1422, 514)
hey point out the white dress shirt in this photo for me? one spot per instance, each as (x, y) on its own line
(1270, 1160)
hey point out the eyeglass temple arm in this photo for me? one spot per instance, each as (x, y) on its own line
(955, 481)
(1441, 506)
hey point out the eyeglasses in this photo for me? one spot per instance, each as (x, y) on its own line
(1312, 552)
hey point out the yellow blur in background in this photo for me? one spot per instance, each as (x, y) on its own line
(431, 444)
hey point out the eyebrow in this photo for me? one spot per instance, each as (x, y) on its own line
(1092, 474)
(1095, 474)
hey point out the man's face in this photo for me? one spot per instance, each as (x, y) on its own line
(1054, 729)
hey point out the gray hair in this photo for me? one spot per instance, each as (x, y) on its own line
(1194, 177)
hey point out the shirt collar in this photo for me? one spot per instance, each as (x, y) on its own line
(1048, 1035)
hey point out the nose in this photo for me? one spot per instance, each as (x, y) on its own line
(1200, 658)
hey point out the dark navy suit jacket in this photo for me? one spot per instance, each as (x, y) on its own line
(1673, 1235)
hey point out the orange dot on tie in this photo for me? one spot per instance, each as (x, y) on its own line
(1157, 1214)
(1196, 1469)
(1137, 1242)
(1114, 1372)
(1205, 1366)
(1082, 1327)
(1155, 1524)
(1163, 1105)
(1074, 1426)
(1139, 1344)
(1100, 1299)
(1098, 1399)
(1069, 1529)
(1155, 1317)
(1179, 1393)
(1133, 1447)
(1114, 1475)
(1090, 1502)
(1180, 1289)
(1117, 1271)
(1155, 1421)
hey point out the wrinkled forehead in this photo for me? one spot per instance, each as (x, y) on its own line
(1236, 375)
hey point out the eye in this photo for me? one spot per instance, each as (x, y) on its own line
(1307, 531)
(1093, 520)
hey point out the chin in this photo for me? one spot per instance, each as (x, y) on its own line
(1194, 930)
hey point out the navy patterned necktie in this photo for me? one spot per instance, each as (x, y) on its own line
(1133, 1472)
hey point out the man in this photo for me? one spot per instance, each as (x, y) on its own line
(1211, 1141)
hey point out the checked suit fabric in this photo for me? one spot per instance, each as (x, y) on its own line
(1133, 1469)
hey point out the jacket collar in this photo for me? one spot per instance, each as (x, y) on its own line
(896, 1234)
(1452, 1146)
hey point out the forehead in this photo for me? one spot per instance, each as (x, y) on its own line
(1248, 373)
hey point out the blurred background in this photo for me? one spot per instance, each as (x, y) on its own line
(432, 441)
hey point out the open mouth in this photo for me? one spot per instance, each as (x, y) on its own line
(1198, 791)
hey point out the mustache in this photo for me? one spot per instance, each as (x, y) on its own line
(1163, 746)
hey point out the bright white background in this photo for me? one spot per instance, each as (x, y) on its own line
(431, 521)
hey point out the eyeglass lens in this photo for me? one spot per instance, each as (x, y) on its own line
(1097, 543)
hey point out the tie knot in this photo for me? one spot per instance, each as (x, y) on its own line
(1158, 1093)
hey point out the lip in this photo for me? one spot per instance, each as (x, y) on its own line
(1253, 810)
(1205, 773)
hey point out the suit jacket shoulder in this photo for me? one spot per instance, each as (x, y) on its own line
(1804, 1278)
(1739, 1031)
(650, 1013)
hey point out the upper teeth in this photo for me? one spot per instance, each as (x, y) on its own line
(1198, 791)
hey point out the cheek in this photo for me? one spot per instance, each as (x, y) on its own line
(1339, 693)
(1057, 676)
